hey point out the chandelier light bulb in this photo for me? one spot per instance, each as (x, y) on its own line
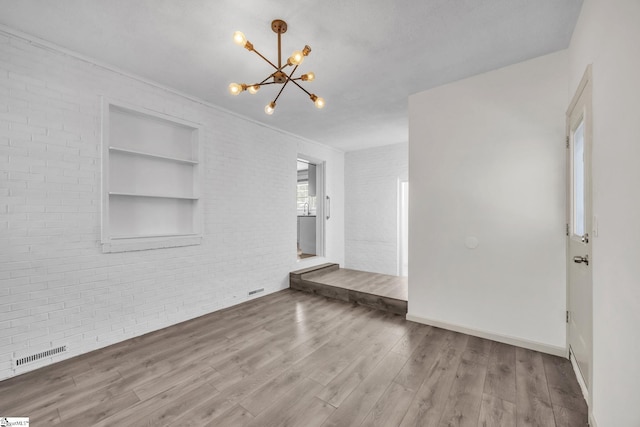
(235, 89)
(296, 57)
(270, 108)
(253, 89)
(239, 38)
(319, 102)
(309, 77)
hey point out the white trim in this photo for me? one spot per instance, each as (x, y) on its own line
(148, 243)
(583, 388)
(579, 377)
(47, 45)
(519, 342)
(399, 224)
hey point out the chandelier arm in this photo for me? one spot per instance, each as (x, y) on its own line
(281, 89)
(262, 56)
(263, 82)
(285, 83)
(297, 84)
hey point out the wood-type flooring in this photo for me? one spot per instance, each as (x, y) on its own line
(297, 359)
(380, 291)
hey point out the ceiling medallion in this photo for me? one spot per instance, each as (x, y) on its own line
(279, 76)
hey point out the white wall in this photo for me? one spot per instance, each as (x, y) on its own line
(56, 285)
(371, 207)
(607, 36)
(487, 161)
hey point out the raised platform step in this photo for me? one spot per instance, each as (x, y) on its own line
(379, 291)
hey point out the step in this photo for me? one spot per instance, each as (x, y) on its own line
(359, 287)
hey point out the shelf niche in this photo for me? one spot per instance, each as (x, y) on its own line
(151, 180)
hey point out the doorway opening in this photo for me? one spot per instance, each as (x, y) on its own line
(309, 207)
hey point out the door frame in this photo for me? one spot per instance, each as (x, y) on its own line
(321, 206)
(400, 223)
(585, 87)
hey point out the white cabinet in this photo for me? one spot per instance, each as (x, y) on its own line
(151, 180)
(307, 234)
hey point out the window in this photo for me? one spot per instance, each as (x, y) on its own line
(578, 181)
(303, 199)
(151, 180)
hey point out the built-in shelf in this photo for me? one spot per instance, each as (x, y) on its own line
(155, 156)
(158, 196)
(151, 174)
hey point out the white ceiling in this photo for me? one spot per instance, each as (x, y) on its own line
(368, 55)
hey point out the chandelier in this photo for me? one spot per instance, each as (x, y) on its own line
(279, 76)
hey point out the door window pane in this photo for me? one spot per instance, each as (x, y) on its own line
(578, 181)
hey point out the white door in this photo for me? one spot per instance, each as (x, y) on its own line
(579, 239)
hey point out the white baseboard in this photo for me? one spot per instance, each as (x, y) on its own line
(519, 342)
(583, 388)
(576, 370)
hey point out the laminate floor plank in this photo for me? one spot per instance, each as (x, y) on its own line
(495, 412)
(428, 405)
(240, 384)
(96, 412)
(479, 346)
(463, 405)
(346, 381)
(532, 393)
(163, 406)
(235, 417)
(286, 340)
(46, 415)
(570, 418)
(327, 371)
(261, 399)
(297, 359)
(286, 410)
(422, 359)
(209, 411)
(412, 339)
(356, 407)
(391, 407)
(564, 389)
(172, 411)
(320, 364)
(501, 372)
(185, 374)
(32, 388)
(72, 396)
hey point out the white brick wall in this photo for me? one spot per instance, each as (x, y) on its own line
(371, 207)
(56, 285)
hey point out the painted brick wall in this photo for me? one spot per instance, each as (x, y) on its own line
(56, 285)
(371, 207)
